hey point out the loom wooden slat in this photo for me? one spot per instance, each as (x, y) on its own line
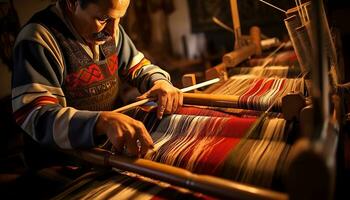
(218, 71)
(235, 57)
(211, 100)
(201, 183)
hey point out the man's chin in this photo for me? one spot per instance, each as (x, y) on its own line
(96, 42)
(99, 42)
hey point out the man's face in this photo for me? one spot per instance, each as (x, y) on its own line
(97, 22)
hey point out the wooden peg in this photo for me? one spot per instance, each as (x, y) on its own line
(306, 121)
(255, 37)
(292, 105)
(219, 71)
(189, 80)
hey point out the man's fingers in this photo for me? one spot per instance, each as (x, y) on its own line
(181, 98)
(131, 146)
(169, 104)
(175, 103)
(144, 96)
(145, 143)
(162, 100)
(118, 144)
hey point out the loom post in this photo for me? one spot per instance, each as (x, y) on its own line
(255, 37)
(242, 50)
(253, 47)
(236, 24)
(311, 171)
(308, 176)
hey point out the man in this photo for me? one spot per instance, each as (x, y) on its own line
(67, 62)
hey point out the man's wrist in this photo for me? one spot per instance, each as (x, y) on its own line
(162, 80)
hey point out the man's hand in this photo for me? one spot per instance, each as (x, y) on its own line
(169, 98)
(123, 131)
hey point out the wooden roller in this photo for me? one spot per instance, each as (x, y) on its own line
(229, 101)
(234, 58)
(211, 185)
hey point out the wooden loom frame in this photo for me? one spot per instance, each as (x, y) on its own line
(313, 156)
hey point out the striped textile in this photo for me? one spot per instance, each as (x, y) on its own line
(258, 92)
(220, 144)
(123, 185)
(281, 71)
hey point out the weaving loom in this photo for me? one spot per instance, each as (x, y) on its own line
(230, 152)
(202, 141)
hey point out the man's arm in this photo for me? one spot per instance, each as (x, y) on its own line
(148, 78)
(40, 108)
(38, 101)
(134, 67)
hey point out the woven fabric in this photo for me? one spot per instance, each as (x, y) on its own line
(217, 143)
(122, 185)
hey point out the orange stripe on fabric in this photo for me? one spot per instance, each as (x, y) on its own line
(142, 63)
(21, 114)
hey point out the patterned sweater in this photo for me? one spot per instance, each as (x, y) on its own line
(59, 89)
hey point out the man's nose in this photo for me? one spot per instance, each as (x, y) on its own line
(111, 26)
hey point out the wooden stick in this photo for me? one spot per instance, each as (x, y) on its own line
(236, 23)
(211, 185)
(237, 56)
(199, 85)
(133, 105)
(273, 6)
(211, 100)
(143, 101)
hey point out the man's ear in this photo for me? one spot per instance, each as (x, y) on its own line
(72, 5)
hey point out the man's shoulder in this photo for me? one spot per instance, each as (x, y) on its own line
(35, 29)
(35, 32)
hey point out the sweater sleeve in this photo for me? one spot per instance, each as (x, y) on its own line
(38, 101)
(134, 67)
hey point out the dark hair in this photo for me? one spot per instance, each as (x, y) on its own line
(83, 3)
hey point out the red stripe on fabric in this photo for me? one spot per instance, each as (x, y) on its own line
(201, 112)
(237, 127)
(142, 63)
(212, 161)
(251, 91)
(255, 99)
(21, 114)
(266, 86)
